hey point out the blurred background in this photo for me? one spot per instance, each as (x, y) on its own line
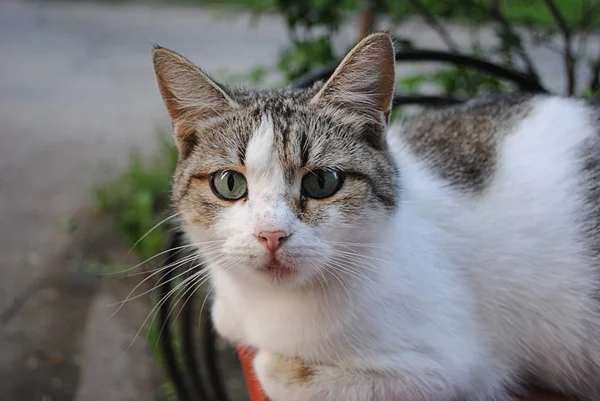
(86, 155)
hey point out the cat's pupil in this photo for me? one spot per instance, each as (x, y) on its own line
(230, 182)
(321, 180)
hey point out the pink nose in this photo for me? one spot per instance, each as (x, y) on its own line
(272, 239)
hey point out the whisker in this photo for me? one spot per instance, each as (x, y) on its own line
(335, 275)
(151, 230)
(161, 284)
(359, 263)
(206, 298)
(157, 306)
(172, 266)
(347, 269)
(358, 255)
(179, 248)
(358, 245)
(351, 271)
(343, 283)
(191, 288)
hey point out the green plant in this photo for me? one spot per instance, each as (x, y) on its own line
(311, 24)
(516, 24)
(305, 55)
(137, 200)
(459, 81)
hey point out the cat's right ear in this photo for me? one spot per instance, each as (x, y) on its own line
(186, 89)
(189, 94)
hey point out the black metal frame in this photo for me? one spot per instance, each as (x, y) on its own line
(200, 380)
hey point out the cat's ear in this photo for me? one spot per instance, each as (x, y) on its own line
(190, 95)
(186, 90)
(364, 80)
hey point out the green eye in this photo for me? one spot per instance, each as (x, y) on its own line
(319, 184)
(229, 185)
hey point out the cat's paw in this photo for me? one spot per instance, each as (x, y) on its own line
(286, 378)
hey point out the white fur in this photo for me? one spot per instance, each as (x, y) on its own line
(455, 296)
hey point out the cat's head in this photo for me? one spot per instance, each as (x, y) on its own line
(283, 186)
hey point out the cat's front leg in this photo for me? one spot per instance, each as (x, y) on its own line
(291, 379)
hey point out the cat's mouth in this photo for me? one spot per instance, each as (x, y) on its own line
(278, 268)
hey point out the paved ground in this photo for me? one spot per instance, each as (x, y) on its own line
(77, 93)
(59, 344)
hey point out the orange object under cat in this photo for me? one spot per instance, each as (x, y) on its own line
(257, 394)
(254, 390)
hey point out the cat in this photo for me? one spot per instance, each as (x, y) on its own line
(450, 256)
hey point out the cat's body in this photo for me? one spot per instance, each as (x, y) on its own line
(456, 258)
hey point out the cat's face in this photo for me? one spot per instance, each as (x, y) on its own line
(283, 187)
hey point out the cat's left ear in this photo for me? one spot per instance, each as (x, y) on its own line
(364, 80)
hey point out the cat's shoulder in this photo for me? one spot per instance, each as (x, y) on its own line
(462, 143)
